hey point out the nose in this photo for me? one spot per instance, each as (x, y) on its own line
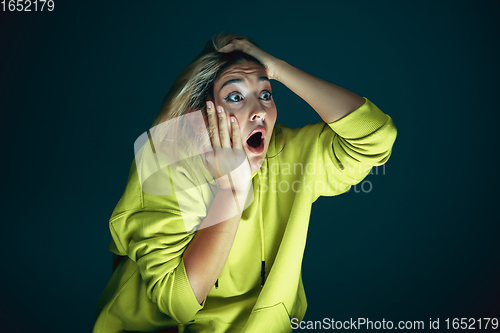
(258, 112)
(258, 115)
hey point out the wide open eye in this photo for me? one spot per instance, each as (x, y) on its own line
(235, 94)
(268, 95)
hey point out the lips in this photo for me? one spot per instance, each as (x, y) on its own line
(255, 140)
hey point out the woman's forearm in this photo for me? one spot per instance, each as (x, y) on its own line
(330, 101)
(209, 249)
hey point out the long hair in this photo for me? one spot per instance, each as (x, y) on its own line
(189, 93)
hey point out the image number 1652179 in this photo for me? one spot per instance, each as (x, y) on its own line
(27, 5)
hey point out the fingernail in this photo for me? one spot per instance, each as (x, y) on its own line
(219, 109)
(209, 106)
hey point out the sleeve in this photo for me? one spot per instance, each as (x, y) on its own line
(335, 156)
(354, 144)
(155, 235)
(156, 241)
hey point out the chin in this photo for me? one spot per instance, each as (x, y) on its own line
(256, 162)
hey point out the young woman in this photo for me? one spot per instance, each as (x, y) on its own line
(210, 232)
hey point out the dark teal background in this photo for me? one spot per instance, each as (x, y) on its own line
(78, 85)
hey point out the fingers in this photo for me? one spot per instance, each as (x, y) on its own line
(236, 133)
(213, 126)
(219, 131)
(234, 44)
(225, 142)
(228, 48)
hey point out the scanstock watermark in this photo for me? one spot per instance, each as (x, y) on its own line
(170, 159)
(367, 324)
(355, 324)
(322, 178)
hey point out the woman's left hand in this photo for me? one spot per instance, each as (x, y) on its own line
(271, 63)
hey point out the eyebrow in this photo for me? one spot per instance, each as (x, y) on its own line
(260, 79)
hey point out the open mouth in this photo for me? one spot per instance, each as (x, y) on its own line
(255, 141)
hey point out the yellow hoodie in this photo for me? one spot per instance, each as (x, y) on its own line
(149, 289)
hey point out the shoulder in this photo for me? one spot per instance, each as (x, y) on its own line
(158, 182)
(284, 136)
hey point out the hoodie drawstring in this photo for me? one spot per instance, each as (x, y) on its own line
(262, 246)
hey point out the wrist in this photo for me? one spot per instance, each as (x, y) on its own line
(278, 68)
(234, 199)
(241, 191)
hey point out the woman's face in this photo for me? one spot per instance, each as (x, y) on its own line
(244, 90)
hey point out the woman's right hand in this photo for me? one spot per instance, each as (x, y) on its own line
(208, 250)
(227, 162)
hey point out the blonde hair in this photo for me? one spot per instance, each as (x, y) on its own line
(190, 91)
